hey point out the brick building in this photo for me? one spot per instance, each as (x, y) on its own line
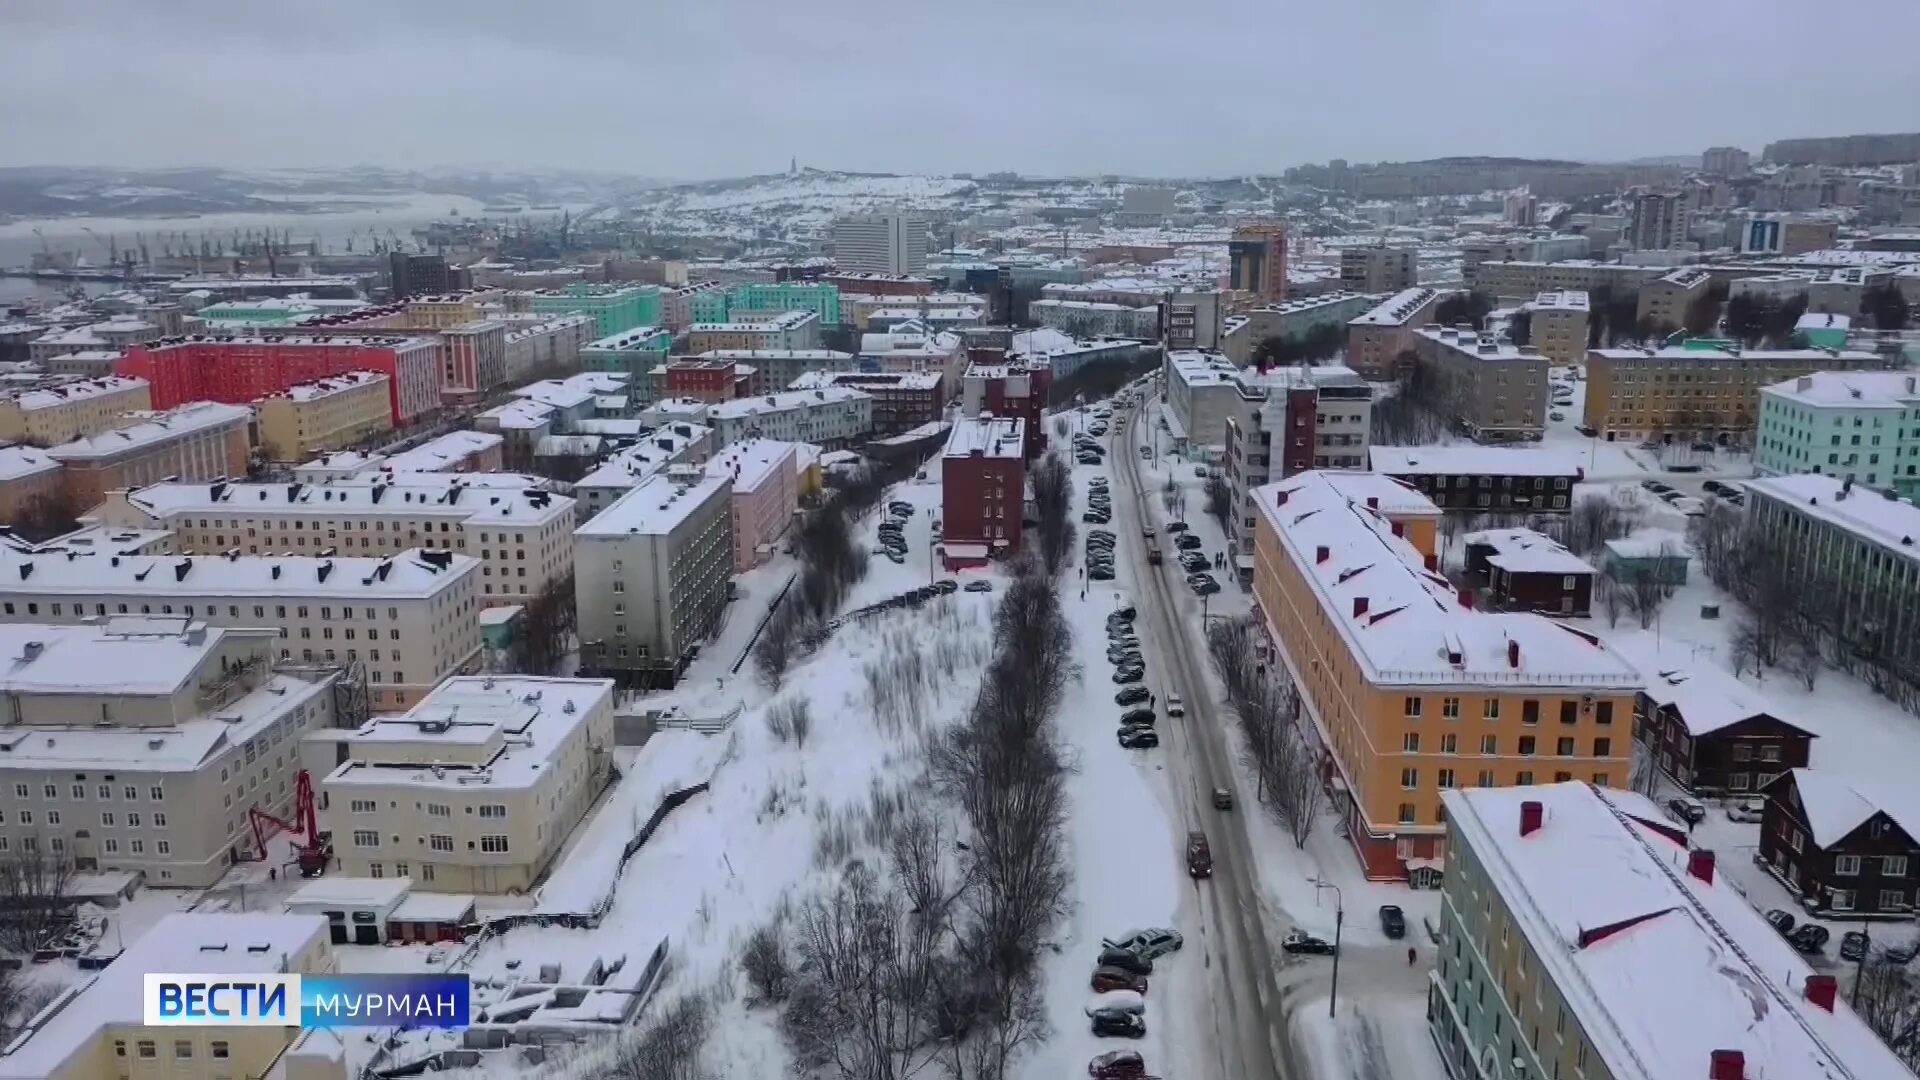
(1010, 390)
(201, 441)
(902, 400)
(983, 476)
(236, 370)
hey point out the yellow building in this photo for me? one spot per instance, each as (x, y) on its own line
(1412, 691)
(1559, 325)
(1697, 389)
(60, 412)
(96, 1030)
(325, 414)
(1664, 300)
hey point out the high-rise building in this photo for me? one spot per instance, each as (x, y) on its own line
(1659, 219)
(418, 275)
(1377, 268)
(894, 243)
(1257, 256)
(1725, 161)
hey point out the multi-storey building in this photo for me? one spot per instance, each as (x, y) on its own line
(1520, 279)
(476, 788)
(1729, 161)
(1484, 479)
(764, 475)
(983, 480)
(1860, 425)
(1497, 390)
(833, 417)
(1295, 319)
(476, 357)
(1705, 729)
(702, 301)
(114, 334)
(702, 379)
(1699, 389)
(653, 571)
(63, 410)
(1559, 325)
(29, 482)
(239, 370)
(887, 243)
(1664, 300)
(1091, 319)
(417, 275)
(97, 1026)
(612, 308)
(787, 330)
(669, 444)
(1379, 268)
(1010, 391)
(1659, 219)
(1257, 260)
(538, 345)
(1580, 937)
(198, 441)
(1376, 339)
(880, 283)
(140, 743)
(857, 310)
(632, 353)
(913, 346)
(901, 401)
(411, 619)
(1534, 249)
(1321, 418)
(779, 369)
(519, 535)
(1845, 847)
(820, 297)
(1412, 691)
(325, 414)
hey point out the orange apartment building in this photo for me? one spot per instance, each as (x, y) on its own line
(204, 440)
(1412, 690)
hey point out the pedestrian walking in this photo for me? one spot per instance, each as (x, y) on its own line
(1412, 955)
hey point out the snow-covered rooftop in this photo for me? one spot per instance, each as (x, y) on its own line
(405, 497)
(1565, 300)
(345, 382)
(1697, 354)
(786, 320)
(438, 453)
(1660, 967)
(127, 654)
(994, 437)
(1706, 698)
(496, 730)
(630, 466)
(59, 571)
(739, 408)
(656, 506)
(1850, 389)
(1823, 320)
(1893, 524)
(1470, 460)
(823, 355)
(152, 428)
(1397, 309)
(639, 337)
(750, 463)
(20, 462)
(1836, 805)
(64, 393)
(867, 380)
(1524, 551)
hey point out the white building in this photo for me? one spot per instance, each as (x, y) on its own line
(1089, 319)
(832, 417)
(893, 243)
(476, 788)
(669, 444)
(653, 571)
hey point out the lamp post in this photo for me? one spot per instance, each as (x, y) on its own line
(1339, 920)
(1860, 966)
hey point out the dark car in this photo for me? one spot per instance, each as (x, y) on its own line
(1199, 856)
(1902, 954)
(1125, 960)
(1100, 573)
(1690, 811)
(946, 586)
(1127, 673)
(1714, 486)
(1193, 562)
(1113, 978)
(1176, 526)
(1118, 1065)
(1205, 587)
(1137, 718)
(979, 586)
(1297, 942)
(1853, 945)
(1809, 938)
(1393, 921)
(1781, 921)
(1186, 541)
(1114, 1023)
(1222, 799)
(1138, 738)
(1132, 695)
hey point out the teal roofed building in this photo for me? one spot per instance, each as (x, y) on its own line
(820, 297)
(613, 308)
(709, 307)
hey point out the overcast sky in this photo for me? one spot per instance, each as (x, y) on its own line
(699, 88)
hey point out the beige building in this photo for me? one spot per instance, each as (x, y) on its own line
(653, 571)
(1379, 268)
(410, 620)
(476, 788)
(139, 743)
(203, 440)
(1665, 299)
(1681, 392)
(95, 1029)
(1518, 280)
(325, 414)
(787, 330)
(29, 482)
(1559, 328)
(1499, 389)
(63, 410)
(519, 534)
(1376, 340)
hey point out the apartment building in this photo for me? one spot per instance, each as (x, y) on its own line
(1843, 846)
(537, 344)
(983, 479)
(902, 401)
(410, 620)
(476, 788)
(1485, 479)
(669, 444)
(61, 410)
(778, 369)
(1412, 690)
(1320, 417)
(1860, 425)
(476, 358)
(1520, 279)
(787, 330)
(238, 370)
(29, 480)
(834, 417)
(112, 334)
(139, 743)
(1664, 300)
(765, 476)
(1295, 319)
(612, 308)
(1010, 391)
(1089, 319)
(912, 346)
(325, 414)
(1499, 390)
(1376, 339)
(1202, 393)
(96, 1027)
(1854, 548)
(892, 243)
(1379, 268)
(1559, 326)
(1581, 937)
(653, 571)
(1700, 389)
(632, 353)
(199, 441)
(518, 534)
(820, 297)
(942, 308)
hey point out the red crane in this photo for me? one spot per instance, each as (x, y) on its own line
(316, 849)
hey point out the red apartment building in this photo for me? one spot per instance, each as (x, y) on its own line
(983, 476)
(1010, 390)
(902, 400)
(712, 380)
(881, 284)
(237, 370)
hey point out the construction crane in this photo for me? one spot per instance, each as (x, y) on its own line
(315, 850)
(113, 256)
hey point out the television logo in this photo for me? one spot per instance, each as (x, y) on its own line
(311, 1001)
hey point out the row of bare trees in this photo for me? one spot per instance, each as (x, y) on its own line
(1423, 409)
(831, 563)
(1276, 748)
(1052, 483)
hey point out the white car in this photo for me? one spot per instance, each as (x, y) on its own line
(1751, 808)
(1150, 944)
(1175, 706)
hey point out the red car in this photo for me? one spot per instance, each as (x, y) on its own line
(1118, 1065)
(1113, 978)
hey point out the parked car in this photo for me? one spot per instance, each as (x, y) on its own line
(1714, 486)
(1750, 808)
(1186, 542)
(1175, 705)
(1132, 695)
(1193, 562)
(946, 586)
(1781, 921)
(1100, 573)
(1118, 1065)
(1199, 856)
(979, 586)
(1299, 942)
(1222, 799)
(1902, 954)
(1853, 945)
(1809, 938)
(1125, 960)
(1107, 979)
(1176, 526)
(1138, 718)
(1558, 416)
(1128, 674)
(1393, 921)
(1151, 943)
(1203, 584)
(1114, 1023)
(1138, 738)
(1654, 486)
(1690, 810)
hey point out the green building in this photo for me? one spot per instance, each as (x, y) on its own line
(1823, 329)
(632, 353)
(708, 307)
(820, 297)
(1862, 425)
(613, 307)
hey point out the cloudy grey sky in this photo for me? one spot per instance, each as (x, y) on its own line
(696, 88)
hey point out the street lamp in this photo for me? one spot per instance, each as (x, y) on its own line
(1339, 919)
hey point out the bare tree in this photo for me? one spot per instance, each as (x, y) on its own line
(1594, 520)
(1052, 483)
(667, 1047)
(1644, 597)
(36, 900)
(1219, 499)
(547, 632)
(768, 969)
(1887, 997)
(1284, 762)
(1612, 594)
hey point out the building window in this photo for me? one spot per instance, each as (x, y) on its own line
(1742, 752)
(1891, 899)
(1490, 709)
(1842, 899)
(1410, 742)
(1569, 712)
(1485, 778)
(219, 1048)
(1846, 865)
(1603, 748)
(494, 845)
(1446, 778)
(148, 1048)
(493, 810)
(439, 842)
(1489, 744)
(1412, 709)
(1893, 866)
(1564, 747)
(1406, 813)
(1450, 708)
(366, 838)
(1409, 778)
(1603, 712)
(1526, 746)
